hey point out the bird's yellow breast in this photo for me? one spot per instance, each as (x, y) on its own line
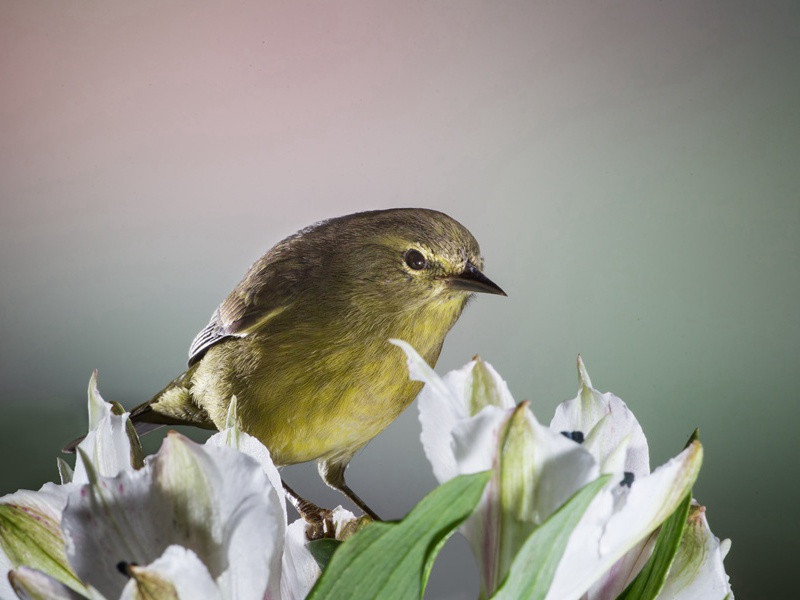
(320, 392)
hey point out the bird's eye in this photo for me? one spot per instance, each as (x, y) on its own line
(415, 260)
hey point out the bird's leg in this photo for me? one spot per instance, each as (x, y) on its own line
(332, 473)
(319, 520)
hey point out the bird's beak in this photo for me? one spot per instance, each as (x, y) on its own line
(472, 280)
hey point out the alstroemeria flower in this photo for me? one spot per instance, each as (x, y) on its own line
(606, 427)
(194, 521)
(470, 423)
(214, 501)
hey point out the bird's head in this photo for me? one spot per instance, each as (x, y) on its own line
(412, 258)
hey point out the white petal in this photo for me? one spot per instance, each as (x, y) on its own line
(606, 423)
(214, 501)
(442, 404)
(178, 571)
(445, 401)
(616, 579)
(449, 392)
(111, 444)
(483, 386)
(473, 441)
(653, 498)
(107, 446)
(98, 407)
(697, 571)
(300, 570)
(560, 467)
(31, 584)
(250, 446)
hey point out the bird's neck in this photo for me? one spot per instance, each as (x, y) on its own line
(426, 327)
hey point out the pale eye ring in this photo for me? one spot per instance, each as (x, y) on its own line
(415, 259)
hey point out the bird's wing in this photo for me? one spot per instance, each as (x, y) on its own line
(211, 334)
(266, 291)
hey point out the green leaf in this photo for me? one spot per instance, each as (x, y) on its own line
(392, 560)
(535, 565)
(651, 578)
(322, 550)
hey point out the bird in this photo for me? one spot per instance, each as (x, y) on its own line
(302, 341)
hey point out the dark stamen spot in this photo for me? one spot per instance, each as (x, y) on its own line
(575, 436)
(627, 479)
(124, 567)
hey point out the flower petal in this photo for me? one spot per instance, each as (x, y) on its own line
(178, 574)
(440, 408)
(444, 401)
(98, 407)
(698, 571)
(618, 577)
(30, 535)
(484, 387)
(32, 584)
(214, 501)
(233, 437)
(607, 425)
(111, 444)
(299, 568)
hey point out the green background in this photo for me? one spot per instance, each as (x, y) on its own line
(629, 168)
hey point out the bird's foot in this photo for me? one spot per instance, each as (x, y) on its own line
(319, 521)
(319, 524)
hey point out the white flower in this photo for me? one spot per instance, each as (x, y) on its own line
(610, 431)
(193, 521)
(470, 423)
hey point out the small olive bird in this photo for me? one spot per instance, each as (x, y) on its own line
(302, 340)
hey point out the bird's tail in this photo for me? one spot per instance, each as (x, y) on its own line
(171, 406)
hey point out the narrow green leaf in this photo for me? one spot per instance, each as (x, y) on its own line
(535, 565)
(322, 550)
(651, 578)
(432, 552)
(392, 560)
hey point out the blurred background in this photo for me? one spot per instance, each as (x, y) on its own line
(629, 168)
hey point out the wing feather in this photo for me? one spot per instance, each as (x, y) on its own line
(268, 288)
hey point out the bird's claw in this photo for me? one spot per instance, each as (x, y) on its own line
(319, 524)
